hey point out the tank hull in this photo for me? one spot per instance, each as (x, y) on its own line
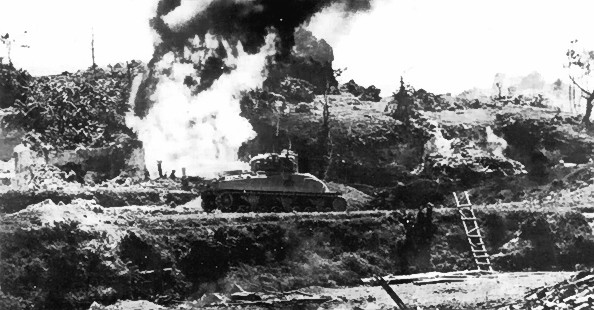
(273, 185)
(237, 200)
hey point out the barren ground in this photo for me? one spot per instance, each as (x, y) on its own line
(486, 292)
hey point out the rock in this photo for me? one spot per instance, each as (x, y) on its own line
(506, 194)
(236, 288)
(212, 298)
(91, 178)
(96, 306)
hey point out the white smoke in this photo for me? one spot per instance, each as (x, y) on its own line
(182, 14)
(496, 145)
(201, 132)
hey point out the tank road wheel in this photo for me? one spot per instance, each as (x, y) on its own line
(224, 202)
(275, 205)
(244, 209)
(287, 203)
(339, 204)
(319, 204)
(253, 200)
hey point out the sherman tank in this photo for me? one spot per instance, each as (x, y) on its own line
(273, 184)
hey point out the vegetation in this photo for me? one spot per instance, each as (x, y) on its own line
(14, 85)
(580, 64)
(82, 109)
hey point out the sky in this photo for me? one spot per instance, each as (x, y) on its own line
(441, 46)
(59, 32)
(451, 46)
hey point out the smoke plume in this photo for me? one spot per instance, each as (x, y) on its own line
(247, 21)
(187, 108)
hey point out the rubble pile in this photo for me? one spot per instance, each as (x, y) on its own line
(429, 277)
(463, 158)
(427, 101)
(238, 297)
(537, 100)
(86, 212)
(577, 294)
(47, 177)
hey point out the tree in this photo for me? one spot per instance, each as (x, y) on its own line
(8, 41)
(325, 138)
(558, 85)
(498, 83)
(580, 70)
(405, 104)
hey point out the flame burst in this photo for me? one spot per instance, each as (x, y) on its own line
(201, 132)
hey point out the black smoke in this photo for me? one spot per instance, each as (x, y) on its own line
(248, 22)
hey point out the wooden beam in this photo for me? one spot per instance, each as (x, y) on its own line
(391, 292)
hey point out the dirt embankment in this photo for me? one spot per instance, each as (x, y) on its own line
(165, 255)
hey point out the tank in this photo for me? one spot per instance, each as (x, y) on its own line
(273, 184)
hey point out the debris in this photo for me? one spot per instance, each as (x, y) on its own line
(429, 277)
(577, 293)
(244, 298)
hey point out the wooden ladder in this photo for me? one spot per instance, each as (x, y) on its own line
(473, 233)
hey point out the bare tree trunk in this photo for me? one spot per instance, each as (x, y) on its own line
(330, 156)
(93, 49)
(325, 134)
(586, 119)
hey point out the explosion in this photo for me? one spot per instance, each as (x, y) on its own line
(187, 111)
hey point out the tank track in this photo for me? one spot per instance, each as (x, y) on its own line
(265, 201)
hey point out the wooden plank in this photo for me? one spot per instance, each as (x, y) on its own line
(439, 280)
(391, 292)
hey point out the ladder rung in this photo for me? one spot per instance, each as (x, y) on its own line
(478, 250)
(473, 229)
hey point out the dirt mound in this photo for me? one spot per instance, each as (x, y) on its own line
(356, 199)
